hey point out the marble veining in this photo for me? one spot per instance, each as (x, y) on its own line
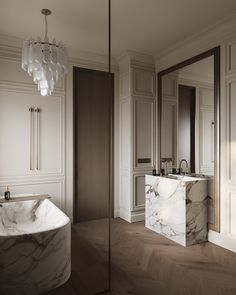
(177, 208)
(35, 254)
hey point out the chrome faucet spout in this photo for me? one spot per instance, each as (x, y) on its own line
(180, 165)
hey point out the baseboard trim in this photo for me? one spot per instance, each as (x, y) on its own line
(125, 214)
(129, 216)
(222, 241)
(116, 213)
(137, 216)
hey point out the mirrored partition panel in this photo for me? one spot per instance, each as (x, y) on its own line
(188, 96)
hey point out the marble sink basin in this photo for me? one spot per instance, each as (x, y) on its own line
(177, 207)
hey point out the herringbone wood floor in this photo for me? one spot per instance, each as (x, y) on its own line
(145, 263)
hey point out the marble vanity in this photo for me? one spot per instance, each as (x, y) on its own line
(176, 207)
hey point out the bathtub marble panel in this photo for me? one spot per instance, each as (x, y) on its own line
(30, 264)
(177, 209)
(33, 263)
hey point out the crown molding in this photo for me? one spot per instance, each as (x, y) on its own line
(92, 64)
(135, 59)
(11, 41)
(190, 81)
(11, 46)
(208, 38)
(188, 75)
(137, 56)
(82, 57)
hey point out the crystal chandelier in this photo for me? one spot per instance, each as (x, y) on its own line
(46, 62)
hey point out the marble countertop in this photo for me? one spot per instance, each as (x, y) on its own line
(24, 197)
(185, 178)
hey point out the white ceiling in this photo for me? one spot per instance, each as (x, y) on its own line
(147, 26)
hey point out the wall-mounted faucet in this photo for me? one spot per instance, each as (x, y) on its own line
(180, 165)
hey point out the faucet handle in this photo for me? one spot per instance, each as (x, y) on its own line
(162, 171)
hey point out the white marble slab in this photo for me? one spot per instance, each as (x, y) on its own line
(176, 207)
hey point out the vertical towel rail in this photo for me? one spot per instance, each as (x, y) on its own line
(31, 110)
(37, 111)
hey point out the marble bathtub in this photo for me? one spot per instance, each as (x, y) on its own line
(35, 254)
(176, 207)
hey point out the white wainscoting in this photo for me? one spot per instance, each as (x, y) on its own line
(137, 126)
(17, 94)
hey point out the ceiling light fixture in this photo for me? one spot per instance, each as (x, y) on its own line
(46, 62)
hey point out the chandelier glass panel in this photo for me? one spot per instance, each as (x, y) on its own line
(45, 61)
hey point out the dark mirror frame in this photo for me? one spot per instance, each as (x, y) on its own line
(215, 52)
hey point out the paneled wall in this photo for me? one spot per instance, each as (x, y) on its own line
(30, 162)
(230, 181)
(137, 135)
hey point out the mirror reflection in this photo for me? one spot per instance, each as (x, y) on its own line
(187, 122)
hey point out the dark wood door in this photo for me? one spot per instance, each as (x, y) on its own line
(93, 115)
(186, 125)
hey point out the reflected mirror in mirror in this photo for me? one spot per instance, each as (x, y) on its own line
(189, 123)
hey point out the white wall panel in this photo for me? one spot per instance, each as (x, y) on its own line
(125, 134)
(143, 82)
(206, 141)
(169, 86)
(231, 57)
(232, 131)
(144, 132)
(15, 133)
(124, 84)
(231, 213)
(206, 97)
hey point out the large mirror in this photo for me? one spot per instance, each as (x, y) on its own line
(188, 96)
